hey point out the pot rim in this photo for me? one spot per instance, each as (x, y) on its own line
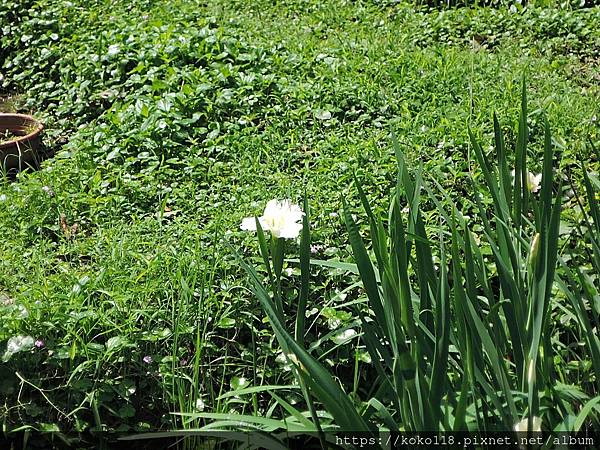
(22, 139)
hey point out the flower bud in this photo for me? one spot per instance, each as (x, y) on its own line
(531, 373)
(534, 251)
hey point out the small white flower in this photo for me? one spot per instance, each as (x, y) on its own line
(281, 218)
(23, 313)
(113, 49)
(17, 344)
(521, 427)
(48, 190)
(533, 181)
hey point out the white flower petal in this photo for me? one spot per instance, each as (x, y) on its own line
(281, 218)
(248, 224)
(291, 231)
(273, 207)
(295, 214)
(535, 181)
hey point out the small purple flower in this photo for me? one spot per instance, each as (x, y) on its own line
(183, 361)
(316, 248)
(39, 343)
(147, 359)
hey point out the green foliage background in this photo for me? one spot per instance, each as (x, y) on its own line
(167, 122)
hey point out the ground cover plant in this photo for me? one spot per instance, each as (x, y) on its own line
(124, 305)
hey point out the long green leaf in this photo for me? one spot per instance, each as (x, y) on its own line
(320, 381)
(304, 274)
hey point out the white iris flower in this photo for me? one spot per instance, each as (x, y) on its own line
(533, 181)
(282, 218)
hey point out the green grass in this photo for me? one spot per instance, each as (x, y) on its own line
(169, 122)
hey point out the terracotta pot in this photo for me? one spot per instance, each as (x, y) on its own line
(20, 152)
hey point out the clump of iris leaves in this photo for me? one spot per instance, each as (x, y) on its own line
(457, 340)
(416, 313)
